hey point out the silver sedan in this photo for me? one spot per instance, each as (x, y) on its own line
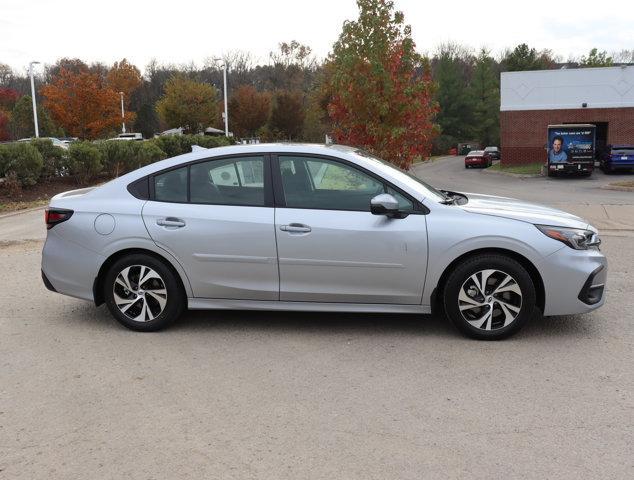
(315, 228)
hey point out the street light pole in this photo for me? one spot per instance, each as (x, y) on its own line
(224, 79)
(122, 114)
(37, 130)
(224, 76)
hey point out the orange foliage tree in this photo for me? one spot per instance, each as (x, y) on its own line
(248, 110)
(83, 104)
(124, 77)
(381, 92)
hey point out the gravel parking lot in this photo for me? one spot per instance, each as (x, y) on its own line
(238, 395)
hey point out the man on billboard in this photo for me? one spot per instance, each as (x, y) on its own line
(557, 154)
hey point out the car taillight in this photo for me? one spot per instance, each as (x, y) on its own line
(53, 216)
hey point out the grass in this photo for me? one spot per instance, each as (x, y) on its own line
(624, 183)
(528, 169)
(6, 207)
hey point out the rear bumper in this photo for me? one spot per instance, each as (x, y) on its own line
(616, 165)
(478, 161)
(47, 283)
(68, 268)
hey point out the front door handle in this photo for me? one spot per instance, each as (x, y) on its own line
(295, 228)
(170, 222)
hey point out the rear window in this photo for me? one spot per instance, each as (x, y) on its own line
(475, 153)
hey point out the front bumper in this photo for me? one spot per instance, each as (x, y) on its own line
(574, 281)
(570, 168)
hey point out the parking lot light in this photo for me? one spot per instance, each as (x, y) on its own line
(37, 132)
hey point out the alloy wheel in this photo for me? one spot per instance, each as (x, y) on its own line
(139, 293)
(490, 299)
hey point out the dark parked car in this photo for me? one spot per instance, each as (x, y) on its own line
(618, 157)
(494, 152)
(477, 158)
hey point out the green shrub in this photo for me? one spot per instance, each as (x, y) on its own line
(146, 153)
(55, 158)
(4, 159)
(85, 161)
(25, 161)
(207, 141)
(117, 156)
(170, 144)
(174, 145)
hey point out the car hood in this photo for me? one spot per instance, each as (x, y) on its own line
(521, 210)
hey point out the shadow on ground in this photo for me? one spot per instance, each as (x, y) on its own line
(230, 321)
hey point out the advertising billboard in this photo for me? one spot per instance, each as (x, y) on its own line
(571, 148)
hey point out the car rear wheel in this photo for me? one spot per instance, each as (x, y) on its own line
(143, 293)
(489, 297)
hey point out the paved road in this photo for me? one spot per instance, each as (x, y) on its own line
(606, 209)
(449, 172)
(241, 395)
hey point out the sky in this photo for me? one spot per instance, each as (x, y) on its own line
(182, 32)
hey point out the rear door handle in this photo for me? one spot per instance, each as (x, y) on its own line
(295, 228)
(170, 222)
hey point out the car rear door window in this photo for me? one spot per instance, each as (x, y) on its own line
(233, 181)
(171, 186)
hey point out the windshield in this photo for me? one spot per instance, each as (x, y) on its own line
(416, 183)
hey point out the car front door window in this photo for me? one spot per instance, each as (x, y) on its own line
(327, 185)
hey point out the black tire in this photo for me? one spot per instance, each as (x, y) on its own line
(501, 304)
(159, 316)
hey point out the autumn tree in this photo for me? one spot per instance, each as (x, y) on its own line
(248, 110)
(8, 98)
(4, 126)
(188, 104)
(83, 105)
(124, 77)
(381, 88)
(287, 115)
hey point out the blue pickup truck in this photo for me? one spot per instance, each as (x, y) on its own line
(618, 157)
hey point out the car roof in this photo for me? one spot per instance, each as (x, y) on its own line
(250, 149)
(352, 154)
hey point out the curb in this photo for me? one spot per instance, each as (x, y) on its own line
(19, 212)
(509, 174)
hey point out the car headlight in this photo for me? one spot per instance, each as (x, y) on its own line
(576, 238)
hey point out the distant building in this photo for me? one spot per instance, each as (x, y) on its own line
(532, 100)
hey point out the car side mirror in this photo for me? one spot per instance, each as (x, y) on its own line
(385, 204)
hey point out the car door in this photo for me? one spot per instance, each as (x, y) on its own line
(331, 248)
(216, 218)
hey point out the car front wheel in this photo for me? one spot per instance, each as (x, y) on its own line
(143, 293)
(489, 297)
